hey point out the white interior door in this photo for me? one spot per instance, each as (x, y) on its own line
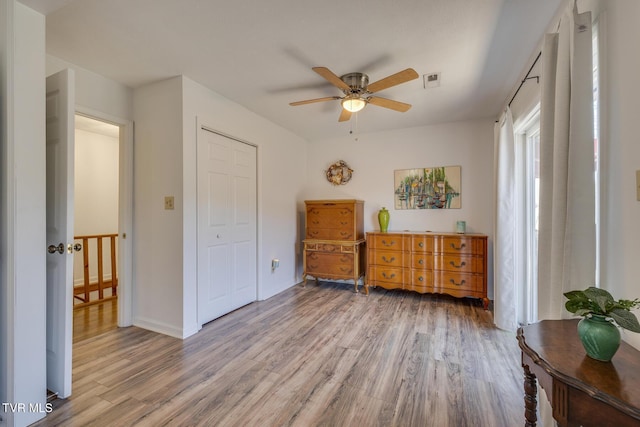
(60, 142)
(227, 224)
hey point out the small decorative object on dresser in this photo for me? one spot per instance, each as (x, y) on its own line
(383, 219)
(334, 240)
(429, 262)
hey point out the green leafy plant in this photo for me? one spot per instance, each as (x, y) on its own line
(596, 301)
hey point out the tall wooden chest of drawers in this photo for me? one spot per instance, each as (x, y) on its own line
(334, 240)
(448, 263)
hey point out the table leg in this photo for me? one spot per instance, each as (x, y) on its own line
(530, 395)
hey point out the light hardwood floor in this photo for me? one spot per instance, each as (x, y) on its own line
(96, 319)
(318, 355)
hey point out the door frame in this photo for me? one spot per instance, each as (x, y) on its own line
(125, 210)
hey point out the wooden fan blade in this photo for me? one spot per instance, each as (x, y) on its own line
(393, 80)
(311, 101)
(331, 78)
(345, 115)
(389, 103)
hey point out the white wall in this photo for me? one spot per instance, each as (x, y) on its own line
(23, 286)
(282, 173)
(375, 156)
(96, 92)
(96, 197)
(158, 272)
(166, 113)
(621, 153)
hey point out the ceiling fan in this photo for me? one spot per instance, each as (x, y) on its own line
(357, 91)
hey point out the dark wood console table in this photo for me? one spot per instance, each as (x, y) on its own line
(582, 391)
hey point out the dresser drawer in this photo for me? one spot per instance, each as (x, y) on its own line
(458, 245)
(386, 274)
(387, 258)
(387, 241)
(458, 263)
(421, 278)
(422, 260)
(329, 263)
(421, 243)
(458, 281)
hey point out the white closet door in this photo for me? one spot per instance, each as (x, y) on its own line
(227, 244)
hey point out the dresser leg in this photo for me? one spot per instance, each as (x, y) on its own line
(530, 402)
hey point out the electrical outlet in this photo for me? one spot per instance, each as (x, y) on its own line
(168, 203)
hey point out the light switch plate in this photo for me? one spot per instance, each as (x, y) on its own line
(638, 185)
(168, 203)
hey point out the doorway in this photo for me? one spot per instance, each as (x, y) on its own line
(96, 206)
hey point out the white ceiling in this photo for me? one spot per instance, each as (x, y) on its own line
(259, 53)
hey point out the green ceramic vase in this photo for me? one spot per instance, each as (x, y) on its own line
(383, 219)
(600, 338)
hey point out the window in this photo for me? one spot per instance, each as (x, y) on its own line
(528, 185)
(596, 140)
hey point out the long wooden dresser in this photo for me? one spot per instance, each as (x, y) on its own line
(426, 262)
(334, 240)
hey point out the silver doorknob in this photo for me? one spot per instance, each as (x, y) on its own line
(77, 247)
(52, 249)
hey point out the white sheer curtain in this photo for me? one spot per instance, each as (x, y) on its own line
(504, 259)
(566, 240)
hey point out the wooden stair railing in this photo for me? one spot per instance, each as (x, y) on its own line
(83, 292)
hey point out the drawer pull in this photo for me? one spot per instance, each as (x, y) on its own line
(421, 261)
(462, 264)
(421, 279)
(384, 258)
(344, 222)
(346, 269)
(421, 244)
(459, 248)
(345, 234)
(391, 243)
(384, 274)
(345, 259)
(458, 284)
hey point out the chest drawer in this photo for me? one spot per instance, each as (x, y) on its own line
(334, 220)
(329, 263)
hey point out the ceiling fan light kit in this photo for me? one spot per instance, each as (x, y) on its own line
(357, 91)
(353, 103)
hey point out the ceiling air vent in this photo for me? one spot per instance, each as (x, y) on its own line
(431, 80)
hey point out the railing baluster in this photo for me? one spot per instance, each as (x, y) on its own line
(100, 273)
(101, 284)
(114, 270)
(85, 259)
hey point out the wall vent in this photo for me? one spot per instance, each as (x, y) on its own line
(431, 80)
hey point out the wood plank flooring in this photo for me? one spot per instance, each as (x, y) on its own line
(96, 319)
(319, 355)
